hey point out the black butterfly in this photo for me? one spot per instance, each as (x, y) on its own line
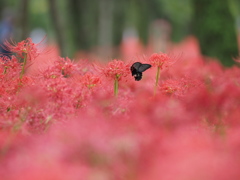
(137, 68)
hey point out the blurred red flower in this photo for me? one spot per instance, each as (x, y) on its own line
(24, 47)
(116, 69)
(160, 60)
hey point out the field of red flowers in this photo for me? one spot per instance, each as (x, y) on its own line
(71, 120)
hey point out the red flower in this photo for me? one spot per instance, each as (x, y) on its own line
(170, 86)
(24, 47)
(116, 69)
(159, 60)
(66, 66)
(89, 80)
(179, 87)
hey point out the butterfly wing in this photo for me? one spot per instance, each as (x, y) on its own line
(144, 67)
(134, 68)
(136, 65)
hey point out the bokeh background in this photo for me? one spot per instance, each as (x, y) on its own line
(106, 28)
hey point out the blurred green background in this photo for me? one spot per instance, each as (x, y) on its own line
(86, 24)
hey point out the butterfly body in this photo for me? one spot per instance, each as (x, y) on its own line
(137, 69)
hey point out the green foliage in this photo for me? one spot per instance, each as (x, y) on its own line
(234, 6)
(213, 24)
(179, 13)
(39, 15)
(82, 17)
(119, 21)
(141, 18)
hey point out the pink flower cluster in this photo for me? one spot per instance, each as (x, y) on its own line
(63, 121)
(160, 60)
(116, 69)
(24, 47)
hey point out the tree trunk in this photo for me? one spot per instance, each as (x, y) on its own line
(105, 28)
(58, 26)
(23, 21)
(74, 23)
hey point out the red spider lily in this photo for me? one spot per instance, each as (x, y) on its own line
(90, 81)
(26, 50)
(170, 86)
(25, 47)
(179, 87)
(160, 60)
(51, 73)
(66, 66)
(116, 69)
(10, 67)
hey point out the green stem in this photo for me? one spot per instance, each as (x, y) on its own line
(5, 70)
(24, 64)
(116, 86)
(157, 79)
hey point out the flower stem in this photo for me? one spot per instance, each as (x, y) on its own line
(157, 79)
(5, 70)
(115, 86)
(24, 64)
